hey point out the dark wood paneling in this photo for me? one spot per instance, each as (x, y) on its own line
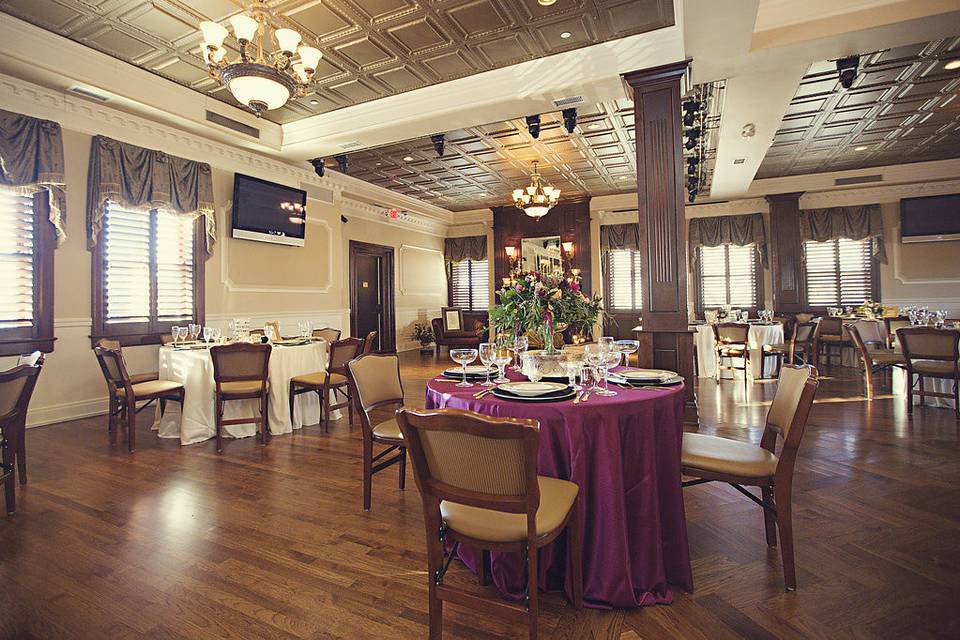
(570, 220)
(786, 253)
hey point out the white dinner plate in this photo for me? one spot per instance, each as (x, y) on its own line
(472, 370)
(646, 374)
(565, 395)
(532, 389)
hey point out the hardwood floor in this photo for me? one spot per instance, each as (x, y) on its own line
(178, 542)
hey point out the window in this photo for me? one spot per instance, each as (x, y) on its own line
(728, 275)
(149, 274)
(27, 242)
(839, 272)
(622, 280)
(469, 285)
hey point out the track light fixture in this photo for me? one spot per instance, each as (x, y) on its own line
(438, 141)
(570, 119)
(318, 167)
(341, 162)
(533, 126)
(847, 69)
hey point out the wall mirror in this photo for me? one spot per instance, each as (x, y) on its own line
(541, 254)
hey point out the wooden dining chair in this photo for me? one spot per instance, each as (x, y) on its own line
(331, 385)
(135, 378)
(802, 344)
(327, 333)
(804, 317)
(892, 326)
(479, 486)
(710, 458)
(16, 389)
(931, 353)
(240, 372)
(731, 341)
(830, 335)
(33, 359)
(375, 386)
(125, 394)
(871, 346)
(368, 342)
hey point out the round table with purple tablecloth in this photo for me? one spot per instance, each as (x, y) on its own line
(624, 453)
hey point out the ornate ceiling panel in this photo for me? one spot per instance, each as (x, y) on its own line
(371, 48)
(482, 165)
(904, 106)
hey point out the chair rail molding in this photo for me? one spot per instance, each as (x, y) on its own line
(898, 263)
(425, 291)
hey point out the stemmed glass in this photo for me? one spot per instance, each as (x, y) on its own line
(501, 358)
(594, 355)
(207, 334)
(182, 334)
(487, 352)
(627, 347)
(520, 344)
(463, 357)
(606, 343)
(588, 379)
(194, 331)
(175, 333)
(611, 359)
(573, 367)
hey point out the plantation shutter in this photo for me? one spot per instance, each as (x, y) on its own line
(174, 267)
(728, 276)
(839, 272)
(16, 260)
(623, 280)
(126, 281)
(469, 285)
(479, 285)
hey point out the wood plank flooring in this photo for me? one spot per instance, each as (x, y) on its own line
(178, 542)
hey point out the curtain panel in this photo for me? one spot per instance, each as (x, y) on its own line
(851, 223)
(620, 236)
(31, 160)
(465, 248)
(715, 231)
(139, 178)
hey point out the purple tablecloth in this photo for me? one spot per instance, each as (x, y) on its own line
(624, 453)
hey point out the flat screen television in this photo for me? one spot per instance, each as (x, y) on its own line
(268, 212)
(930, 219)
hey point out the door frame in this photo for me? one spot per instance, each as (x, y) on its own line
(388, 342)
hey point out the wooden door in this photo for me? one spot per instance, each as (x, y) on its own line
(371, 294)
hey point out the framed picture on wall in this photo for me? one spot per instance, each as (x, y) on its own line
(452, 319)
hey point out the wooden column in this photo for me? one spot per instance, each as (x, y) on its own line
(666, 342)
(786, 253)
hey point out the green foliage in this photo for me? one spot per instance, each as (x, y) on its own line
(531, 300)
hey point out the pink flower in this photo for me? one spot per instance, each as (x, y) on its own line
(519, 288)
(574, 286)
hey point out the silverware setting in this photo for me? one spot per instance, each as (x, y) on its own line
(480, 394)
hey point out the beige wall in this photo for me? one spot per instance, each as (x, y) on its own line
(243, 278)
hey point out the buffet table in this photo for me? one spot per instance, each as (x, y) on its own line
(193, 368)
(624, 453)
(760, 335)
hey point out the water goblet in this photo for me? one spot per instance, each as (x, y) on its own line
(594, 355)
(606, 343)
(535, 368)
(501, 358)
(182, 334)
(207, 334)
(194, 330)
(520, 344)
(175, 333)
(588, 379)
(487, 353)
(610, 360)
(463, 357)
(572, 365)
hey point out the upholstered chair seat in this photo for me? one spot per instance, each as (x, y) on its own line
(151, 388)
(832, 339)
(931, 353)
(556, 499)
(319, 377)
(886, 356)
(934, 367)
(330, 385)
(241, 388)
(388, 430)
(722, 455)
(241, 371)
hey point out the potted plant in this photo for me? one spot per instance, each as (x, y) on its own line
(423, 333)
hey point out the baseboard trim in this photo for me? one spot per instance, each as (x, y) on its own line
(64, 412)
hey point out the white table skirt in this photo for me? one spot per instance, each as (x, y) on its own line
(938, 385)
(760, 334)
(194, 370)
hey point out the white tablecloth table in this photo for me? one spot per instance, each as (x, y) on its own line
(938, 385)
(194, 370)
(759, 335)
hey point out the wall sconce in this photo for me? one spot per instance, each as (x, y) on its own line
(567, 248)
(511, 252)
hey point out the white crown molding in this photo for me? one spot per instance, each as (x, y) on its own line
(400, 269)
(620, 216)
(877, 194)
(375, 213)
(727, 208)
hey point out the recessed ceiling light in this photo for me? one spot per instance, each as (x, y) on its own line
(565, 35)
(379, 163)
(545, 3)
(953, 64)
(624, 177)
(593, 126)
(407, 158)
(314, 102)
(861, 148)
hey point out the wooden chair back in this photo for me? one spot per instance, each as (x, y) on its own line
(16, 389)
(803, 317)
(895, 324)
(475, 460)
(240, 362)
(787, 417)
(831, 326)
(327, 333)
(805, 333)
(113, 368)
(341, 352)
(368, 342)
(853, 330)
(731, 333)
(376, 384)
(929, 343)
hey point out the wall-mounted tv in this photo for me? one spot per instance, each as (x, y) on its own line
(930, 219)
(268, 212)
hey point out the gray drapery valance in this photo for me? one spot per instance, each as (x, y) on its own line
(852, 223)
(31, 160)
(620, 236)
(714, 231)
(465, 248)
(147, 179)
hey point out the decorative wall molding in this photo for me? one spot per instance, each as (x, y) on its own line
(727, 208)
(620, 216)
(427, 291)
(898, 262)
(952, 305)
(376, 213)
(876, 195)
(72, 323)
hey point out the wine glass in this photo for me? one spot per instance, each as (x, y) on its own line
(594, 355)
(182, 334)
(520, 344)
(627, 347)
(611, 359)
(463, 357)
(217, 333)
(573, 366)
(588, 379)
(487, 353)
(207, 334)
(194, 331)
(175, 333)
(501, 358)
(606, 343)
(535, 368)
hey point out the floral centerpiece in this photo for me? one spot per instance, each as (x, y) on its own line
(870, 309)
(545, 305)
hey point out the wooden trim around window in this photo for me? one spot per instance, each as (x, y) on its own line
(152, 331)
(38, 337)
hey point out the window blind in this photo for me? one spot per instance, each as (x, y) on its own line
(174, 267)
(16, 260)
(728, 276)
(623, 280)
(469, 285)
(839, 272)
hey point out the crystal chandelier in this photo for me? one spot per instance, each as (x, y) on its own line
(260, 79)
(536, 199)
